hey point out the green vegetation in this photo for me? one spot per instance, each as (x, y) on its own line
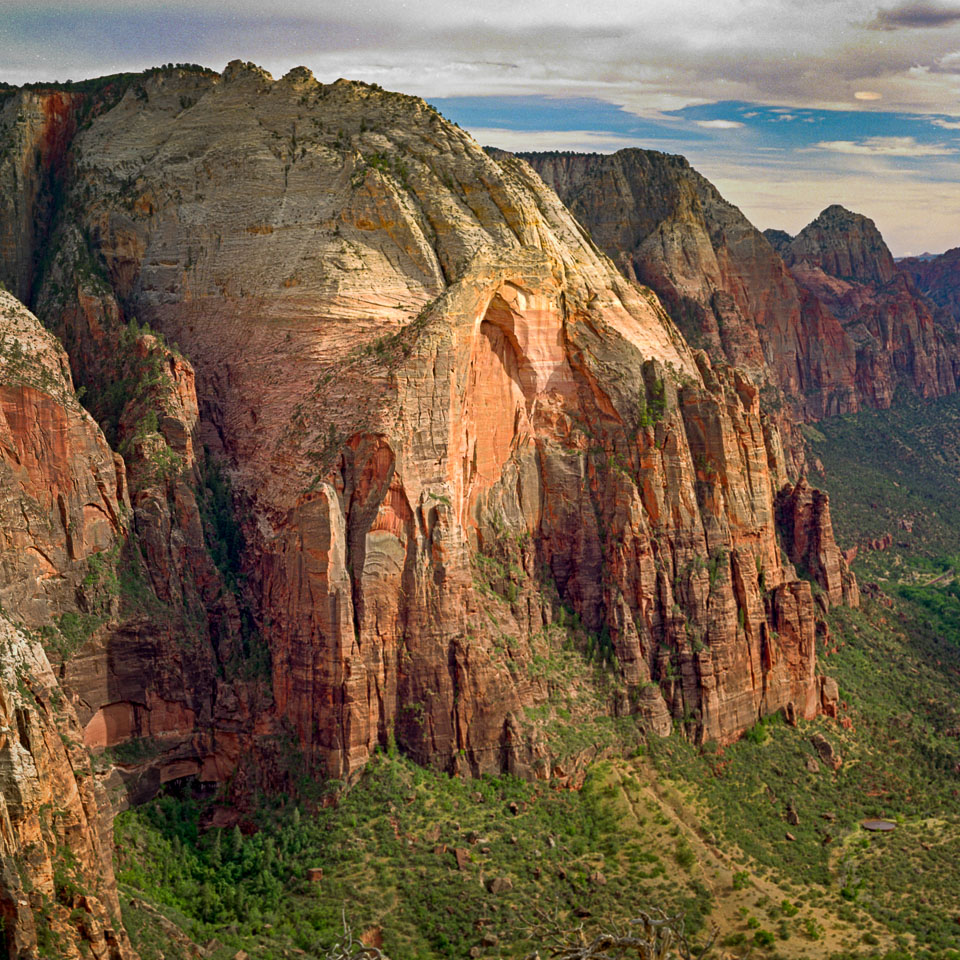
(899, 677)
(886, 469)
(136, 383)
(224, 536)
(410, 852)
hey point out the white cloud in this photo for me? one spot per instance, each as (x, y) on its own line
(720, 124)
(886, 147)
(946, 124)
(867, 95)
(820, 53)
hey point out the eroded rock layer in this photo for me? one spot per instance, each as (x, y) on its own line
(62, 509)
(410, 356)
(938, 278)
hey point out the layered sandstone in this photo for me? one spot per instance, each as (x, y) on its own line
(459, 442)
(62, 517)
(823, 317)
(426, 383)
(56, 886)
(803, 515)
(840, 258)
(938, 279)
(36, 129)
(845, 245)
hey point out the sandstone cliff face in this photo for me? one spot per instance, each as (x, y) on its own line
(447, 418)
(459, 442)
(803, 516)
(36, 129)
(841, 260)
(824, 317)
(843, 244)
(668, 227)
(56, 887)
(62, 515)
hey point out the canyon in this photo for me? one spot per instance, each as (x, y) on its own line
(324, 431)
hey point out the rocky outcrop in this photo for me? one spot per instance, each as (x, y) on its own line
(454, 429)
(36, 128)
(824, 318)
(430, 391)
(398, 456)
(669, 228)
(845, 245)
(57, 889)
(63, 514)
(900, 341)
(803, 515)
(62, 490)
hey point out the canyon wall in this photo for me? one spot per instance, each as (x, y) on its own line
(62, 512)
(824, 320)
(938, 279)
(385, 450)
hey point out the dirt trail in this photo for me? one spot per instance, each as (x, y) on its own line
(646, 795)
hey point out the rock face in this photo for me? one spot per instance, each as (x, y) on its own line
(62, 508)
(803, 515)
(938, 279)
(824, 317)
(56, 882)
(37, 128)
(457, 439)
(899, 338)
(426, 385)
(844, 245)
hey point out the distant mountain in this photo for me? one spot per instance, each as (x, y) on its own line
(937, 276)
(825, 316)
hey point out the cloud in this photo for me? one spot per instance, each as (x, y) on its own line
(867, 95)
(645, 58)
(915, 15)
(720, 124)
(946, 124)
(886, 147)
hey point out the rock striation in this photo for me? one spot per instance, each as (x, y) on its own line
(803, 516)
(845, 245)
(417, 369)
(62, 509)
(824, 319)
(390, 435)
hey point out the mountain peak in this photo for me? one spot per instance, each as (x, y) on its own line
(844, 244)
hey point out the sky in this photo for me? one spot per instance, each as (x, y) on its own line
(786, 105)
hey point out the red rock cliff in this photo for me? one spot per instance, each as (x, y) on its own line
(62, 508)
(447, 418)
